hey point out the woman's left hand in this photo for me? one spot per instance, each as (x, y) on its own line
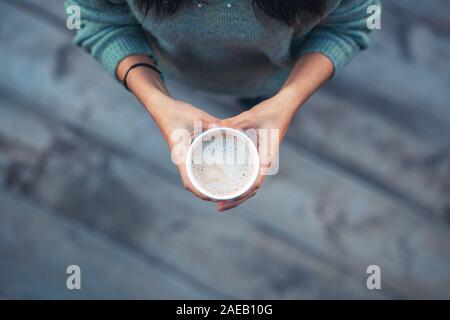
(274, 115)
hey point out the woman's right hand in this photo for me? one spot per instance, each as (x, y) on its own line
(179, 122)
(175, 119)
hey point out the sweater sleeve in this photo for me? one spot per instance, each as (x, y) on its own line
(109, 31)
(342, 34)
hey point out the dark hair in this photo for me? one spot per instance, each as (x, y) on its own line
(291, 12)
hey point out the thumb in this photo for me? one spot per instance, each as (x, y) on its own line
(241, 121)
(236, 122)
(220, 123)
(226, 123)
(206, 122)
(209, 121)
(212, 124)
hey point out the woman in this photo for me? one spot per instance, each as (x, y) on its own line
(281, 49)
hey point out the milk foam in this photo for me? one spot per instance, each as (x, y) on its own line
(223, 164)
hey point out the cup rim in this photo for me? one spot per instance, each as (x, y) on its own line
(253, 151)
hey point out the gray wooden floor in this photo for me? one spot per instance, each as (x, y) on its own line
(86, 179)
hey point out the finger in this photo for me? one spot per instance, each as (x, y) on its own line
(212, 125)
(197, 194)
(225, 123)
(203, 122)
(227, 205)
(252, 190)
(261, 176)
(241, 121)
(210, 122)
(268, 149)
(209, 118)
(244, 197)
(188, 185)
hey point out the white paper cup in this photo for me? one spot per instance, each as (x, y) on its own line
(253, 154)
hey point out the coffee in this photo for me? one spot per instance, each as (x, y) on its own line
(223, 163)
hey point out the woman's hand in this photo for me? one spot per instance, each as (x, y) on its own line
(179, 122)
(309, 73)
(271, 120)
(175, 119)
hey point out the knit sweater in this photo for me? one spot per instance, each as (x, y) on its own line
(221, 45)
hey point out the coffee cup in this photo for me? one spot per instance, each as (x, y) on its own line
(222, 163)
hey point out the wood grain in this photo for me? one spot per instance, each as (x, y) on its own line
(357, 186)
(37, 246)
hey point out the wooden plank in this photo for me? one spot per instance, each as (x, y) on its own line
(422, 160)
(182, 235)
(292, 232)
(57, 182)
(53, 10)
(406, 70)
(432, 12)
(320, 214)
(402, 161)
(390, 85)
(36, 247)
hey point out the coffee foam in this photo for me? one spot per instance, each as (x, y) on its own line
(222, 164)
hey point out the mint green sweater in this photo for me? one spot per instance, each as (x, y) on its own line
(220, 46)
